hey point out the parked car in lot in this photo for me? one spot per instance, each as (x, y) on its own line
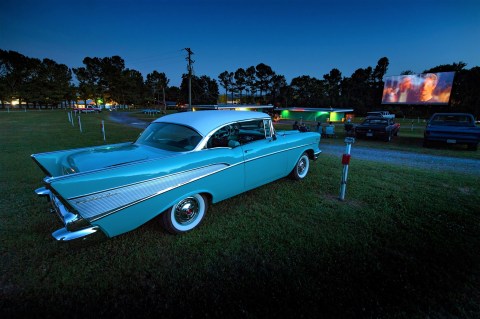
(151, 111)
(452, 128)
(180, 164)
(88, 109)
(377, 127)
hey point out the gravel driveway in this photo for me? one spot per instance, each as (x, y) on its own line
(125, 118)
(410, 159)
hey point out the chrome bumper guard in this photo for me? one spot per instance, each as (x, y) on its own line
(75, 226)
(64, 235)
(316, 155)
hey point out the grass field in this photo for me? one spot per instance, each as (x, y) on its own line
(404, 243)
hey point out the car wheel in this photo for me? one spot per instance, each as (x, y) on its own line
(185, 215)
(301, 168)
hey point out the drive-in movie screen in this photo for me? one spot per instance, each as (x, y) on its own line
(428, 88)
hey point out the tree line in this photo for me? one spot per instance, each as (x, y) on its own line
(105, 80)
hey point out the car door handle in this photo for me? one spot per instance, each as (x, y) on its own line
(246, 151)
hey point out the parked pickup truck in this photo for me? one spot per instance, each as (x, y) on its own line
(377, 127)
(384, 114)
(452, 128)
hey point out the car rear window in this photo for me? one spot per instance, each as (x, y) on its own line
(375, 122)
(170, 137)
(453, 120)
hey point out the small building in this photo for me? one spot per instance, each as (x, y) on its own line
(236, 107)
(315, 114)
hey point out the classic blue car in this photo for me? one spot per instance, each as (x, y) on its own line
(179, 165)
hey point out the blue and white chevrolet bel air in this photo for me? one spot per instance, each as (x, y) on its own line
(179, 165)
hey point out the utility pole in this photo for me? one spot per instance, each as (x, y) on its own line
(189, 68)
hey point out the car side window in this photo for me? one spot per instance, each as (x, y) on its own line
(250, 131)
(223, 136)
(240, 133)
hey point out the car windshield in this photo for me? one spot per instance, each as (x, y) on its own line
(170, 137)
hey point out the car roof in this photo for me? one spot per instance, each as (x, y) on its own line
(377, 118)
(206, 121)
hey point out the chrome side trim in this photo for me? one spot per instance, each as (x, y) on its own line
(97, 205)
(172, 175)
(281, 151)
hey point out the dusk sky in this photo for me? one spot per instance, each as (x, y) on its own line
(293, 37)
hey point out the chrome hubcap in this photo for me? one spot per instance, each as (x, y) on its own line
(302, 165)
(187, 210)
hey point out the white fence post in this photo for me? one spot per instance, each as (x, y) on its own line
(103, 130)
(345, 161)
(80, 124)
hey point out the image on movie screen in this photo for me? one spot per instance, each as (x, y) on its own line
(428, 88)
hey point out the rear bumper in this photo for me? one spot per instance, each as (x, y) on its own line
(76, 228)
(451, 139)
(371, 133)
(452, 135)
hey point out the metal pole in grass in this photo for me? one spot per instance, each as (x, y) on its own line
(103, 130)
(80, 124)
(345, 161)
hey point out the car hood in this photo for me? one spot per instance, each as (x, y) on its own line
(113, 155)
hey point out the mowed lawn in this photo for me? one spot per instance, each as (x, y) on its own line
(404, 244)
